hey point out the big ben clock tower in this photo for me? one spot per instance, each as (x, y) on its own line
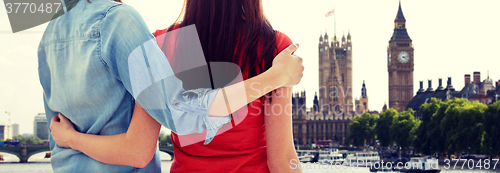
(400, 62)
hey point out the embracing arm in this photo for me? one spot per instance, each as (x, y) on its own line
(279, 136)
(287, 70)
(134, 148)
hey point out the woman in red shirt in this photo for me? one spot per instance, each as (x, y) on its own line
(259, 137)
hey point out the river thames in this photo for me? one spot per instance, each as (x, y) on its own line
(39, 164)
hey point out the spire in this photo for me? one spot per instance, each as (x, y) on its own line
(363, 91)
(316, 102)
(335, 42)
(349, 34)
(343, 39)
(326, 36)
(320, 36)
(400, 16)
(400, 33)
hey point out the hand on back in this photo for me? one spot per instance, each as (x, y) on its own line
(62, 130)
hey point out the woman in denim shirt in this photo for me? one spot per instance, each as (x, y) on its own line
(97, 60)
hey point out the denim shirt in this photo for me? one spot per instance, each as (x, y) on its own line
(95, 62)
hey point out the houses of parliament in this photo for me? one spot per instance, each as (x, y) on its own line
(333, 107)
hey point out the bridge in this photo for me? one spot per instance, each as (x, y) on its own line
(167, 149)
(25, 152)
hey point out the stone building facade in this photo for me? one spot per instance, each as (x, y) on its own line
(335, 74)
(311, 126)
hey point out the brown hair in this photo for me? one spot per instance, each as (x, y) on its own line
(232, 31)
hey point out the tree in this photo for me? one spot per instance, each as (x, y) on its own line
(382, 129)
(362, 129)
(422, 139)
(28, 140)
(437, 136)
(413, 132)
(402, 124)
(463, 125)
(355, 132)
(370, 122)
(490, 142)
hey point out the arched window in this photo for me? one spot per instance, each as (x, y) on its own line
(342, 77)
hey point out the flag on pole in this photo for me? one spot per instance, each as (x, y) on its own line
(330, 13)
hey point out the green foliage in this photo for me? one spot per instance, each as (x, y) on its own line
(435, 134)
(413, 131)
(164, 139)
(463, 125)
(28, 140)
(355, 132)
(453, 126)
(382, 129)
(422, 139)
(362, 129)
(458, 125)
(402, 124)
(490, 141)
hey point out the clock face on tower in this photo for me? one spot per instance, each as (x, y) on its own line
(403, 57)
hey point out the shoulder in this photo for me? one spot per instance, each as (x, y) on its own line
(123, 24)
(282, 40)
(122, 12)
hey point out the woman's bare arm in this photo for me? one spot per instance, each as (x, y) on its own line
(279, 134)
(134, 148)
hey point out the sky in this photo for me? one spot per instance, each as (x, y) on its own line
(450, 38)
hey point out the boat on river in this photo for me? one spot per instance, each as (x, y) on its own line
(308, 155)
(330, 156)
(423, 165)
(364, 158)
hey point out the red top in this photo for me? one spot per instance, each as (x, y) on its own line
(239, 148)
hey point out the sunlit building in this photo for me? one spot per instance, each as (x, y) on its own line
(15, 130)
(40, 128)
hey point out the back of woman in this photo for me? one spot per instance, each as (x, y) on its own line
(235, 32)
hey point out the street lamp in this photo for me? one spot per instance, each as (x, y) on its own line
(469, 151)
(399, 152)
(449, 153)
(491, 155)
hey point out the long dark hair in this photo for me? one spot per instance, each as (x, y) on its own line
(232, 31)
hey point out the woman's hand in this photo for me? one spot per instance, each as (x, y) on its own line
(288, 67)
(62, 130)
